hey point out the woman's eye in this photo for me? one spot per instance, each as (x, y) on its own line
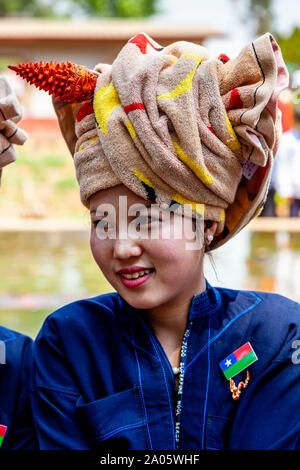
(102, 224)
(144, 219)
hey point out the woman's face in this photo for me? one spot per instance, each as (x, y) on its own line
(175, 271)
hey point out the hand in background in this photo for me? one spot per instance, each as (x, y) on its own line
(10, 115)
(65, 114)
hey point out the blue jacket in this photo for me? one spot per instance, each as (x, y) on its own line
(102, 380)
(15, 409)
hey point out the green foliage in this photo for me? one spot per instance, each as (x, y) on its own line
(106, 8)
(25, 8)
(136, 8)
(118, 8)
(5, 61)
(290, 47)
(54, 160)
(66, 183)
(40, 165)
(261, 12)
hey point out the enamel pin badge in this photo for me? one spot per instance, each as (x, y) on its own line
(235, 363)
(3, 430)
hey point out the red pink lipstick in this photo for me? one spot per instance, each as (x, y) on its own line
(137, 281)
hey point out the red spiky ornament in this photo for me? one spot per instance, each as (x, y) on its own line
(70, 82)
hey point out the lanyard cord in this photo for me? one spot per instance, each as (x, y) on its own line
(183, 357)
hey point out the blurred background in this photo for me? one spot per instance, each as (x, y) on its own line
(45, 260)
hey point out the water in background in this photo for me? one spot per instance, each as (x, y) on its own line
(40, 272)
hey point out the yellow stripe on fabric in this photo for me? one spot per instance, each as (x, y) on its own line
(185, 84)
(105, 101)
(194, 56)
(203, 175)
(222, 216)
(90, 141)
(142, 177)
(196, 206)
(259, 211)
(131, 129)
(232, 144)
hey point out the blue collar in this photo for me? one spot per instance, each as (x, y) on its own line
(205, 303)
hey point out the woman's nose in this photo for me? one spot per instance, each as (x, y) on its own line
(125, 248)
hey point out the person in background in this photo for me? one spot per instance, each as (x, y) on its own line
(269, 209)
(287, 121)
(16, 424)
(286, 179)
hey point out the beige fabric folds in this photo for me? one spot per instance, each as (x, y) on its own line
(177, 126)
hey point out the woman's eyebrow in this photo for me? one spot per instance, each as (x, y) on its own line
(140, 207)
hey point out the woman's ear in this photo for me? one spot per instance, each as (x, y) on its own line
(209, 231)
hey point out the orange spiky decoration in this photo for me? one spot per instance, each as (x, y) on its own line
(70, 82)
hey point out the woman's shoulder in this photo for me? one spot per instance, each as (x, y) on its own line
(270, 318)
(269, 298)
(84, 313)
(15, 363)
(14, 345)
(266, 306)
(272, 303)
(15, 367)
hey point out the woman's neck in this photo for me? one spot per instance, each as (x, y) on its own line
(169, 321)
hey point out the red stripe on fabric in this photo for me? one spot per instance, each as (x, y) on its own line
(242, 351)
(86, 109)
(211, 130)
(133, 107)
(223, 57)
(141, 42)
(235, 101)
(254, 184)
(2, 430)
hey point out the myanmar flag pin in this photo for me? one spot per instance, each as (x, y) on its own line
(238, 361)
(2, 433)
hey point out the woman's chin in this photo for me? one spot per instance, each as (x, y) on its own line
(139, 301)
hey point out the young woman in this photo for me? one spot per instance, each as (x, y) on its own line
(168, 361)
(16, 424)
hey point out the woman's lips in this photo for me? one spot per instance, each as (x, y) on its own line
(136, 282)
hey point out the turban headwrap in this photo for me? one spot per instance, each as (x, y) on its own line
(177, 126)
(10, 115)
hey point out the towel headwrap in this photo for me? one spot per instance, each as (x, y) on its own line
(175, 126)
(10, 115)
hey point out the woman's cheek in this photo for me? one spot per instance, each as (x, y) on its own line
(93, 243)
(96, 247)
(166, 251)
